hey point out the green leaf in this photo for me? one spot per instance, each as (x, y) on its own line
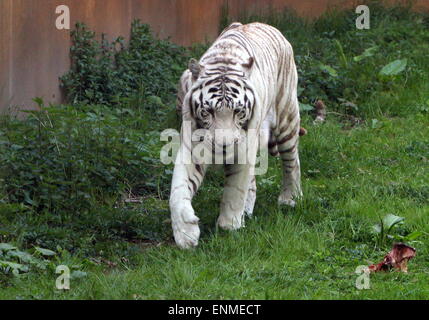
(7, 247)
(16, 267)
(38, 101)
(375, 124)
(367, 53)
(305, 107)
(341, 53)
(390, 220)
(45, 252)
(413, 235)
(27, 198)
(394, 68)
(376, 228)
(347, 103)
(155, 100)
(331, 71)
(22, 256)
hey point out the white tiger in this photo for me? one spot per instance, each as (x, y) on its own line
(246, 80)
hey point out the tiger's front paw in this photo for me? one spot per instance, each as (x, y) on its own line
(230, 222)
(185, 226)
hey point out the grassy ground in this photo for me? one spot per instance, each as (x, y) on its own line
(351, 177)
(66, 177)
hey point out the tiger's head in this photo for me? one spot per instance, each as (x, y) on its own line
(221, 100)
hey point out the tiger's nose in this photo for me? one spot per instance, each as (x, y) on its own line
(226, 137)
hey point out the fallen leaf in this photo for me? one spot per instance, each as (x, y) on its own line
(397, 258)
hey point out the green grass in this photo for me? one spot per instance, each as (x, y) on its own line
(369, 159)
(350, 177)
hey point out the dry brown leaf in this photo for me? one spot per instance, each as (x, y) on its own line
(397, 258)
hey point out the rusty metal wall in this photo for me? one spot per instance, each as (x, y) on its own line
(33, 53)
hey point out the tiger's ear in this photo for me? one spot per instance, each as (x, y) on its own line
(248, 65)
(195, 68)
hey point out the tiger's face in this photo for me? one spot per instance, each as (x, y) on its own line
(221, 102)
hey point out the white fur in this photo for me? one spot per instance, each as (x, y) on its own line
(270, 70)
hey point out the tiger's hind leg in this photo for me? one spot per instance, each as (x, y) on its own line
(287, 144)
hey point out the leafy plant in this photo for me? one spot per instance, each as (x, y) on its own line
(104, 71)
(15, 261)
(388, 229)
(342, 62)
(67, 161)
